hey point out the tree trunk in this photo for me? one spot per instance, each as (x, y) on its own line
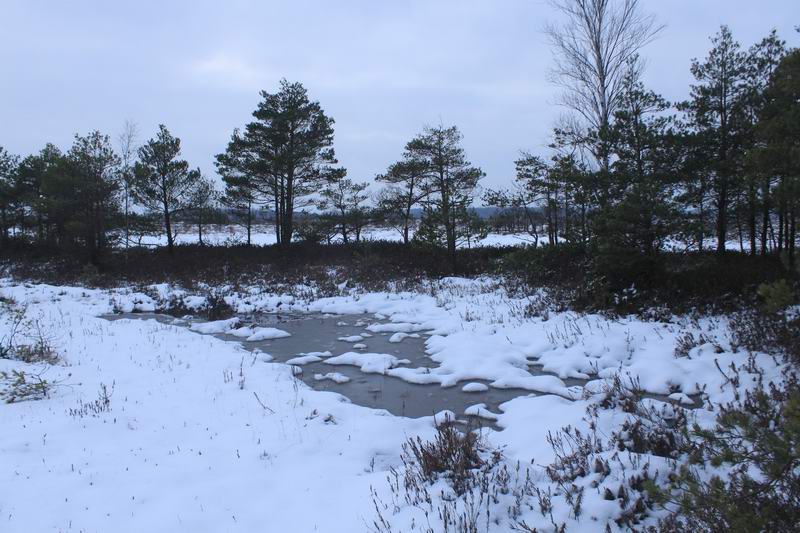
(249, 222)
(764, 216)
(751, 217)
(168, 226)
(4, 221)
(722, 221)
(792, 235)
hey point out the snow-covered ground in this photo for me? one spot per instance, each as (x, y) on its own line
(203, 435)
(262, 235)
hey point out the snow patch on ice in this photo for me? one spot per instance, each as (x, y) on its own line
(372, 363)
(332, 376)
(400, 335)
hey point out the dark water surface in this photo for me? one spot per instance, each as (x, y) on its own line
(320, 333)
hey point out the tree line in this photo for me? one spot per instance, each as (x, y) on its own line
(628, 170)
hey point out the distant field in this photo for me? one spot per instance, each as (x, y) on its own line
(262, 235)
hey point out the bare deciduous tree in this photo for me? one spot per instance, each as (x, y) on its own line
(127, 153)
(593, 48)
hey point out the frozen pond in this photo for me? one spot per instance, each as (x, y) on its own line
(324, 333)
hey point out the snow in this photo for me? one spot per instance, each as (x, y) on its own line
(370, 363)
(481, 411)
(249, 333)
(182, 449)
(303, 360)
(399, 336)
(475, 387)
(333, 376)
(218, 326)
(264, 235)
(204, 435)
(351, 338)
(263, 334)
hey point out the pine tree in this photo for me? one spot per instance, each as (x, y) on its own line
(344, 199)
(285, 155)
(201, 201)
(717, 113)
(8, 193)
(778, 131)
(90, 182)
(647, 159)
(404, 193)
(449, 182)
(162, 181)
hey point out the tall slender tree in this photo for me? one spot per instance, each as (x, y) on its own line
(647, 160)
(778, 130)
(126, 141)
(717, 112)
(32, 173)
(762, 61)
(91, 179)
(8, 192)
(449, 182)
(593, 47)
(404, 192)
(163, 182)
(201, 201)
(344, 198)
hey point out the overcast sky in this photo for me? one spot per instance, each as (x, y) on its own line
(381, 69)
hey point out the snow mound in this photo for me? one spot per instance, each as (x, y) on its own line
(481, 411)
(332, 376)
(264, 334)
(215, 326)
(352, 338)
(475, 387)
(395, 327)
(400, 335)
(373, 363)
(303, 360)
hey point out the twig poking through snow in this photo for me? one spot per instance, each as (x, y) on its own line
(262, 403)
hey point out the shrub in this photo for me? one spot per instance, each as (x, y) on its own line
(451, 453)
(19, 386)
(757, 441)
(775, 334)
(102, 404)
(776, 296)
(216, 308)
(485, 491)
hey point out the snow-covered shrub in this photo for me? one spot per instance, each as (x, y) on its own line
(20, 386)
(622, 463)
(451, 454)
(686, 342)
(215, 307)
(27, 340)
(773, 333)
(745, 474)
(175, 305)
(454, 483)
